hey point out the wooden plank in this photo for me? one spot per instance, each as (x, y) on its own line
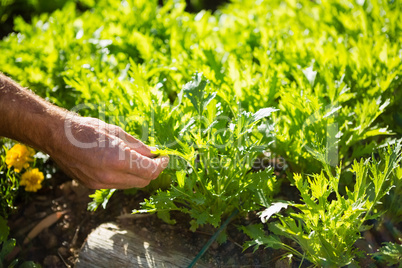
(110, 246)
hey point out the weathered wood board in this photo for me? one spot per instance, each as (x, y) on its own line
(110, 246)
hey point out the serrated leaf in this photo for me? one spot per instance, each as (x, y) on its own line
(136, 211)
(195, 91)
(274, 208)
(222, 237)
(365, 227)
(193, 225)
(389, 253)
(165, 216)
(208, 99)
(100, 197)
(167, 151)
(198, 198)
(255, 232)
(333, 111)
(181, 178)
(328, 248)
(310, 74)
(202, 217)
(262, 113)
(385, 104)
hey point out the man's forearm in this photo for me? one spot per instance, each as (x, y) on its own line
(26, 117)
(115, 159)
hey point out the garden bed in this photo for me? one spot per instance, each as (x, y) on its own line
(60, 244)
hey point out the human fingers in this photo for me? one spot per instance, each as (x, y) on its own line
(146, 167)
(98, 178)
(137, 145)
(119, 180)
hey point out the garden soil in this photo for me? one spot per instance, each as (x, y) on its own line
(59, 244)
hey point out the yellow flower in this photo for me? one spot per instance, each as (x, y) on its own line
(32, 180)
(19, 157)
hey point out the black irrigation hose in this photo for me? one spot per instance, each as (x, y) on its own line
(213, 238)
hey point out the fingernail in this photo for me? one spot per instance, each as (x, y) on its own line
(153, 148)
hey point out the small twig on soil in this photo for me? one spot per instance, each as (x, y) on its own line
(77, 230)
(65, 263)
(45, 223)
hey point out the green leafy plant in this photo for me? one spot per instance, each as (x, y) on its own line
(327, 224)
(391, 203)
(6, 247)
(390, 254)
(217, 150)
(330, 70)
(9, 185)
(100, 197)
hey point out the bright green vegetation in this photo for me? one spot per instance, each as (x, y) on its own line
(315, 83)
(9, 184)
(325, 228)
(390, 254)
(218, 146)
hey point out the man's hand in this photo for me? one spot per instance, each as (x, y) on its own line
(98, 154)
(105, 156)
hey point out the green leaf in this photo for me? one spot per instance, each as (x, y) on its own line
(4, 229)
(273, 209)
(262, 113)
(222, 237)
(195, 92)
(389, 253)
(165, 216)
(255, 232)
(310, 74)
(193, 225)
(29, 264)
(181, 178)
(167, 151)
(100, 197)
(330, 251)
(7, 247)
(202, 217)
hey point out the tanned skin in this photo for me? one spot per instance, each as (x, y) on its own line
(100, 155)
